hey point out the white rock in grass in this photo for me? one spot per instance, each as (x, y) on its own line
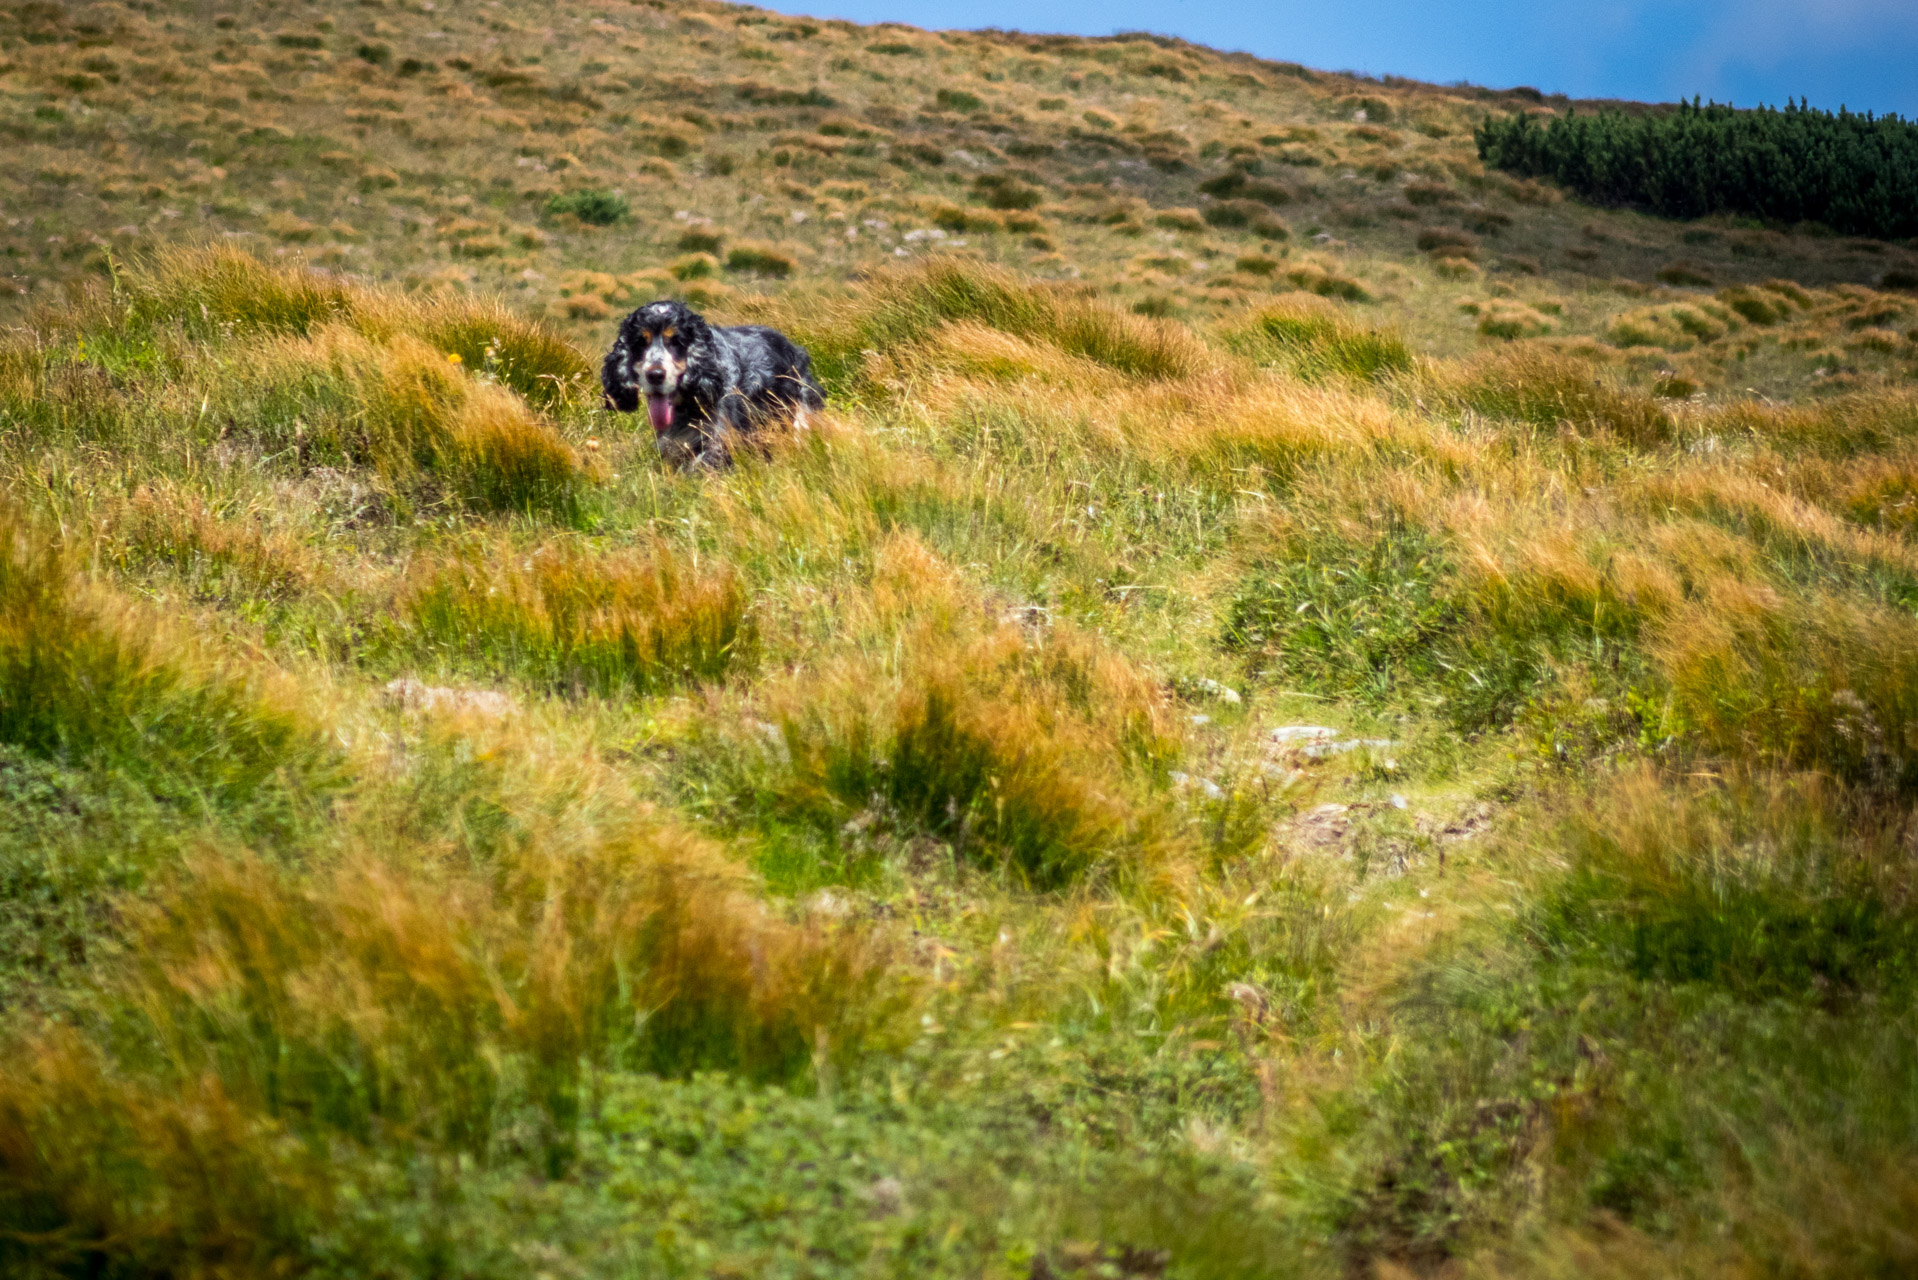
(416, 695)
(1213, 689)
(886, 1196)
(1205, 786)
(773, 737)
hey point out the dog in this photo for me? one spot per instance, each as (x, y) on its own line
(706, 387)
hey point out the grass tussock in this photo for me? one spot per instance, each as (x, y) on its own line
(1818, 682)
(1536, 385)
(1761, 884)
(87, 683)
(1001, 749)
(439, 398)
(907, 306)
(418, 419)
(1318, 341)
(1842, 428)
(222, 293)
(612, 625)
(1702, 926)
(1036, 755)
(123, 741)
(273, 1031)
(219, 555)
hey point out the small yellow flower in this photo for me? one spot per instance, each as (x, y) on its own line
(453, 357)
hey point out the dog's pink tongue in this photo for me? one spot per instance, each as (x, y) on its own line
(660, 410)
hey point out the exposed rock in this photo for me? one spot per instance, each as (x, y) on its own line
(1210, 789)
(415, 695)
(1213, 689)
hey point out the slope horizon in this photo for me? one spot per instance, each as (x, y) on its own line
(1853, 58)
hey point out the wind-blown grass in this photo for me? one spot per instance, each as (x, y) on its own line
(86, 682)
(906, 306)
(224, 292)
(408, 1016)
(636, 623)
(1247, 794)
(1316, 340)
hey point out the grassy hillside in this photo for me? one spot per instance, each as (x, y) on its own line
(1310, 710)
(448, 146)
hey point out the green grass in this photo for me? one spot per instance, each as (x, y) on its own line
(1315, 344)
(569, 621)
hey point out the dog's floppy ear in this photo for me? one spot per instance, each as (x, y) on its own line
(616, 376)
(705, 383)
(698, 333)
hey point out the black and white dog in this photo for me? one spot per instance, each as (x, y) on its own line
(705, 386)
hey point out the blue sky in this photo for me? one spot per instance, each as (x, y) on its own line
(1861, 53)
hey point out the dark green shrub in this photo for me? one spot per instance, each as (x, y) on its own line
(1856, 174)
(598, 208)
(1003, 191)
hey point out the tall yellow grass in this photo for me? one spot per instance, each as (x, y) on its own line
(641, 621)
(226, 291)
(906, 305)
(87, 681)
(1036, 754)
(1537, 385)
(273, 1025)
(420, 420)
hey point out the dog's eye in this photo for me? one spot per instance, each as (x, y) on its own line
(667, 336)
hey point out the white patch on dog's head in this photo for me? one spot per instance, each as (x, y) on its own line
(661, 369)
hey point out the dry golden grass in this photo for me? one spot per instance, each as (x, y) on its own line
(218, 552)
(414, 413)
(1009, 748)
(569, 619)
(907, 306)
(92, 682)
(1539, 386)
(1032, 749)
(1314, 338)
(276, 1020)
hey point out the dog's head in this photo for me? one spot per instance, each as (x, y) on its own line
(657, 348)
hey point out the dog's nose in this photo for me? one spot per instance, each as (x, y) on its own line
(655, 376)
